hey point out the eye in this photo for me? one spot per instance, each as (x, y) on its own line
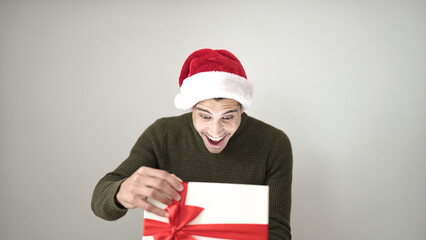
(205, 116)
(227, 117)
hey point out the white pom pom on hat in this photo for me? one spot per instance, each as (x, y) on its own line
(209, 73)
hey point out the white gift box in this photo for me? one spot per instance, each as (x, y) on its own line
(222, 204)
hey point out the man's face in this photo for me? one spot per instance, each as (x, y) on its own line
(216, 121)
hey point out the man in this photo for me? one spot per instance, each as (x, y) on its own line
(216, 142)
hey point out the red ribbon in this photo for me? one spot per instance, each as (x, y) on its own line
(180, 215)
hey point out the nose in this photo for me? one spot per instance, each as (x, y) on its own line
(216, 129)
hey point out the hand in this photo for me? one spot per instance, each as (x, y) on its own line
(149, 182)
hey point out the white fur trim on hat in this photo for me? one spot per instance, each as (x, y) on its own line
(207, 85)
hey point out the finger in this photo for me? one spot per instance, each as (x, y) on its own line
(155, 194)
(180, 180)
(160, 186)
(143, 184)
(171, 179)
(138, 191)
(145, 205)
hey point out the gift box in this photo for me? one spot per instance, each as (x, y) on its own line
(210, 211)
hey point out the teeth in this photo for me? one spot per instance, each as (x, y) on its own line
(215, 139)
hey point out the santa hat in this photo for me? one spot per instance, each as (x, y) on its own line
(209, 73)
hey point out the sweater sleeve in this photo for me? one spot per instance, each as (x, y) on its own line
(279, 179)
(143, 153)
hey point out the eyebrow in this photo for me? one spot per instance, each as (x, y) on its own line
(204, 110)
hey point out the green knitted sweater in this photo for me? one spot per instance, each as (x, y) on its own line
(256, 154)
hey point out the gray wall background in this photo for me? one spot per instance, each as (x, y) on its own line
(346, 80)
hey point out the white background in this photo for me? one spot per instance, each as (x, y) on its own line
(346, 80)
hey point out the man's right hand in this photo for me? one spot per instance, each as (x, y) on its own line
(149, 182)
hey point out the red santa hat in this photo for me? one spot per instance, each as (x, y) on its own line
(209, 73)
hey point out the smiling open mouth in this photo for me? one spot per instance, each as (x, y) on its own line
(215, 141)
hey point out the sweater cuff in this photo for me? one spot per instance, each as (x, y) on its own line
(113, 206)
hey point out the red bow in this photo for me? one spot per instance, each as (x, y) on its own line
(180, 215)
